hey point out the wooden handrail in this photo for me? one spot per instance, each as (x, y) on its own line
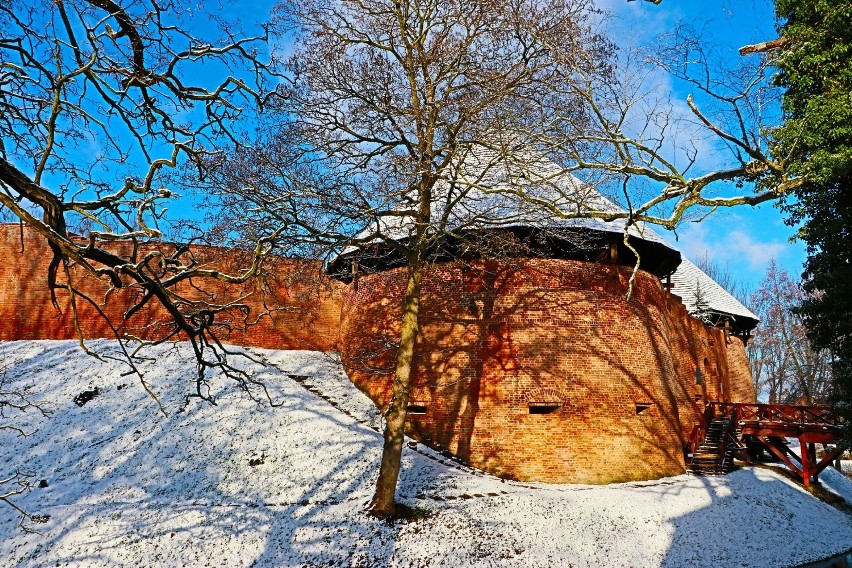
(728, 435)
(777, 413)
(699, 431)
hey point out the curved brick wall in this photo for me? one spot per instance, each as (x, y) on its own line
(292, 309)
(499, 339)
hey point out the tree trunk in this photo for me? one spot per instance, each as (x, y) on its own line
(383, 505)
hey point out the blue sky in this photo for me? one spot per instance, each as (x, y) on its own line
(744, 239)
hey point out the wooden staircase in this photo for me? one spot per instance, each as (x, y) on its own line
(749, 430)
(714, 455)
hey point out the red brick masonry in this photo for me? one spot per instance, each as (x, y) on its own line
(292, 309)
(541, 370)
(535, 370)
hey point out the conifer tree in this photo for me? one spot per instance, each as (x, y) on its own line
(815, 142)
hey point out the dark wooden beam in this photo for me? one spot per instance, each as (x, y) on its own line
(807, 462)
(786, 449)
(780, 454)
(826, 461)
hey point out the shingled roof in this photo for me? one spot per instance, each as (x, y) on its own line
(487, 205)
(706, 299)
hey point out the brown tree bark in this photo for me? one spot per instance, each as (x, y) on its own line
(763, 47)
(383, 505)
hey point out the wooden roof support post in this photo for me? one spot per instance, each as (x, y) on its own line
(613, 255)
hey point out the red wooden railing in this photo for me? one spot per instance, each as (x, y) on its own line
(767, 414)
(700, 429)
(779, 413)
(769, 424)
(730, 433)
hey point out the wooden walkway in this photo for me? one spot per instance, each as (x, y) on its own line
(743, 430)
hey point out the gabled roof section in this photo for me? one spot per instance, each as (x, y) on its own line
(704, 298)
(488, 191)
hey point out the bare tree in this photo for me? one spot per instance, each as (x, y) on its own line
(682, 159)
(99, 101)
(16, 405)
(784, 365)
(411, 123)
(395, 131)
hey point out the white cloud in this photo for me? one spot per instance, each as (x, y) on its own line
(756, 252)
(738, 248)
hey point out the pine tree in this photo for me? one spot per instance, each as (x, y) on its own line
(816, 143)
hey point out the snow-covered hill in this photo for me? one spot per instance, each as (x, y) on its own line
(127, 486)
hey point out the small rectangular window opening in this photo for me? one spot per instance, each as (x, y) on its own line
(541, 408)
(642, 407)
(416, 408)
(697, 376)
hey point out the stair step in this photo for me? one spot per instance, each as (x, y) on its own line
(708, 457)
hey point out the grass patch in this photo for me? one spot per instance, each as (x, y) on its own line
(408, 514)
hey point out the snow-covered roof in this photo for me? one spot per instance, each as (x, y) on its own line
(489, 191)
(700, 293)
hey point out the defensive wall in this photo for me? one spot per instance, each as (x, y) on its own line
(541, 370)
(289, 309)
(531, 369)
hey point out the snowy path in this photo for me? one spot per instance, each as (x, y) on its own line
(130, 487)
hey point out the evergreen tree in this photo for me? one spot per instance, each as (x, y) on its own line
(815, 142)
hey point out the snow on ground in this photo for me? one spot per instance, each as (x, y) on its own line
(129, 486)
(831, 479)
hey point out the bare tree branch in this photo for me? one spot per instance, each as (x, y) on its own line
(99, 101)
(763, 47)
